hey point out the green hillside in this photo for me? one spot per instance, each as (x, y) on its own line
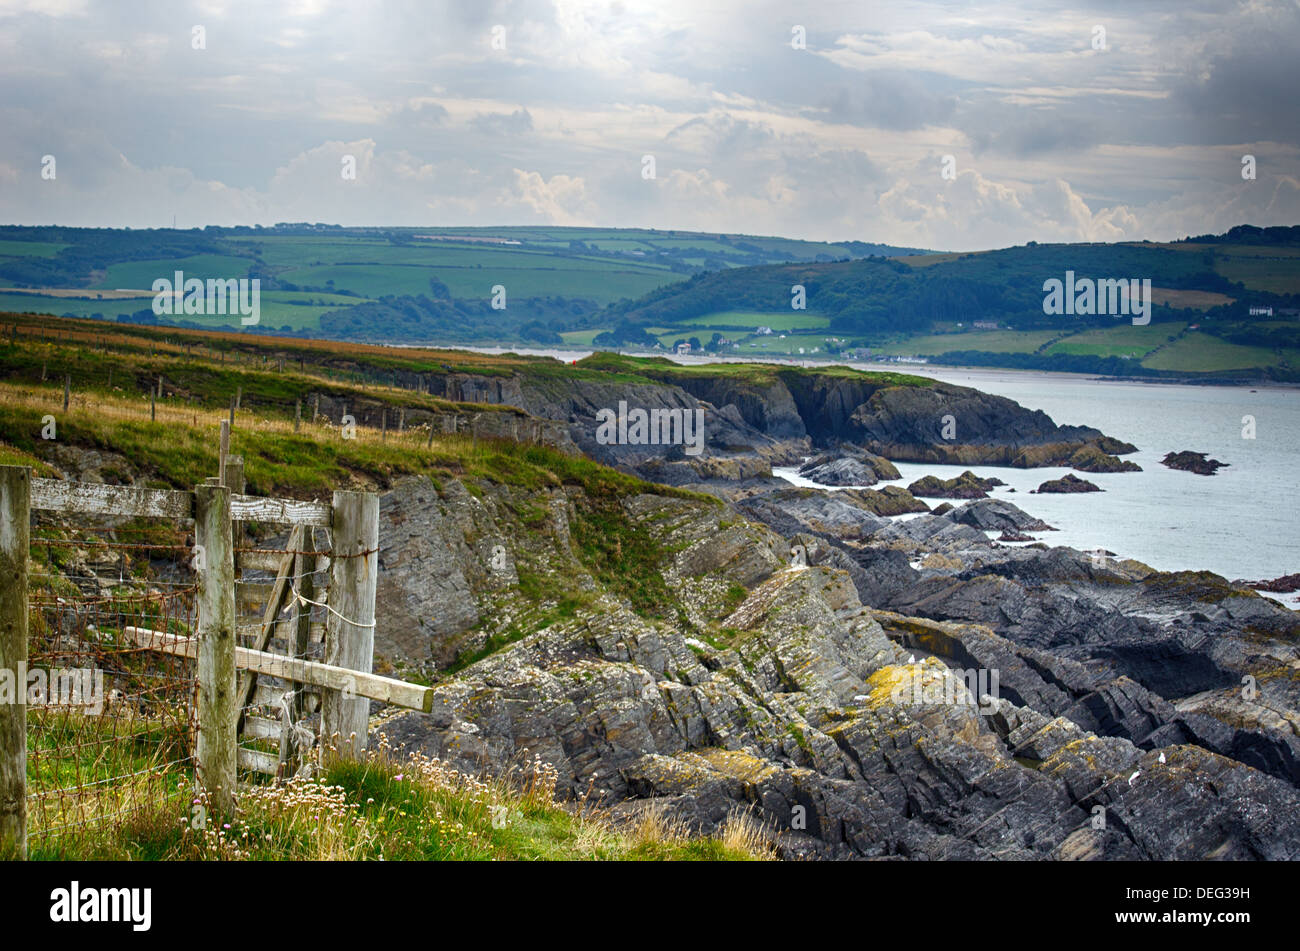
(416, 284)
(987, 308)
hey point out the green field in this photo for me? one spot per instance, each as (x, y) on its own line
(30, 249)
(140, 275)
(278, 308)
(749, 320)
(581, 338)
(990, 341)
(600, 284)
(1261, 273)
(1122, 340)
(1198, 352)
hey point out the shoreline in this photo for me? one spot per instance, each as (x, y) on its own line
(917, 369)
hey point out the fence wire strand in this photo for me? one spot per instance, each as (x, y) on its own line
(111, 726)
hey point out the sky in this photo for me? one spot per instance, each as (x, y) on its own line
(923, 123)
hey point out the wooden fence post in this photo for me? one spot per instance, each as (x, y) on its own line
(216, 748)
(234, 480)
(303, 568)
(67, 390)
(15, 506)
(223, 451)
(297, 415)
(354, 571)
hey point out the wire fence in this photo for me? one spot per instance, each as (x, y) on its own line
(111, 726)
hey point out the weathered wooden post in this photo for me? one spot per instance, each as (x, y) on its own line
(67, 390)
(223, 451)
(304, 568)
(216, 747)
(15, 506)
(297, 415)
(234, 481)
(349, 628)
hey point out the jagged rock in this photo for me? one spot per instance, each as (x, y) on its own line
(965, 486)
(1188, 461)
(774, 688)
(862, 470)
(1068, 483)
(1286, 584)
(996, 515)
(1092, 459)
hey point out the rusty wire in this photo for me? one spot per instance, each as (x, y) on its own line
(112, 730)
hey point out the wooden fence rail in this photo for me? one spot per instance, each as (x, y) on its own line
(345, 679)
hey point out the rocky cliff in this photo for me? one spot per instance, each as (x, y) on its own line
(835, 674)
(758, 415)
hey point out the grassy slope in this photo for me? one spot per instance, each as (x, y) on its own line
(412, 810)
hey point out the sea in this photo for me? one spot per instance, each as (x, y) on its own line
(1242, 522)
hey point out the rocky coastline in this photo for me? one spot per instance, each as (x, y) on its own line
(815, 655)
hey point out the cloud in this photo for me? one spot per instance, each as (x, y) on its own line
(500, 123)
(1054, 140)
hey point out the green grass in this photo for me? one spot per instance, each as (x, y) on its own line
(603, 283)
(140, 275)
(278, 309)
(624, 556)
(414, 810)
(1121, 340)
(30, 249)
(749, 320)
(1202, 353)
(582, 338)
(992, 341)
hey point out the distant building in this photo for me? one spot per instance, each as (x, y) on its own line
(763, 331)
(985, 325)
(1261, 312)
(683, 349)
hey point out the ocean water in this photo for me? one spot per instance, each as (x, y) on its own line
(1242, 522)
